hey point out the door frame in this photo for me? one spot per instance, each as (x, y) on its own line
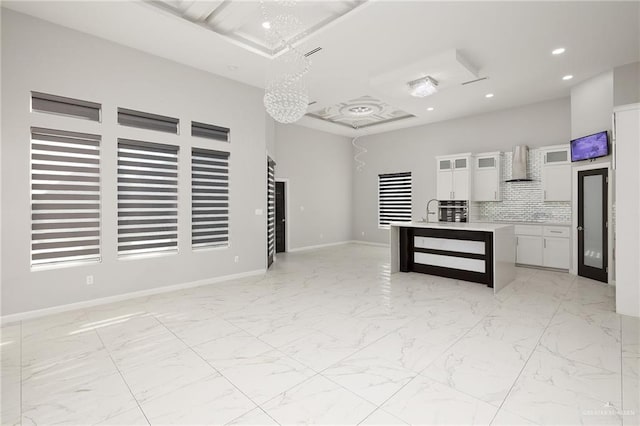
(574, 216)
(287, 238)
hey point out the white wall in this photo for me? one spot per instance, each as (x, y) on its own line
(626, 84)
(318, 168)
(592, 105)
(40, 56)
(414, 149)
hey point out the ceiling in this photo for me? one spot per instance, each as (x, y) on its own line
(372, 49)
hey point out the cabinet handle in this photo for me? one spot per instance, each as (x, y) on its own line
(495, 195)
(545, 242)
(517, 241)
(545, 194)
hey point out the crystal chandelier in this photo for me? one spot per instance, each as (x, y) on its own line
(286, 94)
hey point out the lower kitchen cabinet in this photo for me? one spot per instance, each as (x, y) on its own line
(528, 250)
(546, 246)
(555, 252)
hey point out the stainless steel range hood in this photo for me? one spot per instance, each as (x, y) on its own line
(519, 164)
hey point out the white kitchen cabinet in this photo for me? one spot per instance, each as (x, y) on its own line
(556, 173)
(557, 154)
(529, 250)
(555, 252)
(486, 177)
(626, 148)
(454, 177)
(547, 246)
(556, 182)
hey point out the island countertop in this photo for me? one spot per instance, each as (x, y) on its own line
(459, 226)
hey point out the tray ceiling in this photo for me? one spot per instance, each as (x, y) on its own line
(362, 112)
(241, 21)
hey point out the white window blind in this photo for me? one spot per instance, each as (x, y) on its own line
(394, 198)
(65, 196)
(147, 197)
(209, 198)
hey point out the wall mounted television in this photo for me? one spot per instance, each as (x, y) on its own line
(589, 147)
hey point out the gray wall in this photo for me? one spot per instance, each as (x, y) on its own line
(40, 56)
(414, 149)
(626, 84)
(592, 105)
(318, 167)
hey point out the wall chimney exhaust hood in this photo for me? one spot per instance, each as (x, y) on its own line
(519, 164)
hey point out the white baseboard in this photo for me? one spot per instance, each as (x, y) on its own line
(120, 297)
(340, 243)
(369, 243)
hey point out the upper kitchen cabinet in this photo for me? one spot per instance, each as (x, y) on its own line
(556, 173)
(486, 177)
(454, 177)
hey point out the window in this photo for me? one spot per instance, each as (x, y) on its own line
(147, 197)
(209, 131)
(52, 104)
(145, 120)
(271, 210)
(65, 196)
(209, 198)
(394, 198)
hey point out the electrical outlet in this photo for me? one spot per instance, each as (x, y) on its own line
(363, 233)
(236, 259)
(301, 208)
(321, 236)
(89, 279)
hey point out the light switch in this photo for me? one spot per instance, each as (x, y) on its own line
(258, 212)
(301, 208)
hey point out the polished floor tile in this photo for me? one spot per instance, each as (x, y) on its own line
(331, 337)
(318, 401)
(426, 402)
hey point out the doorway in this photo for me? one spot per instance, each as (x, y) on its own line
(593, 224)
(281, 218)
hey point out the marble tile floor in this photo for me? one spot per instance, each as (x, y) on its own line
(330, 337)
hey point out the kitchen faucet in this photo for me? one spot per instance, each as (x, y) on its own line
(430, 212)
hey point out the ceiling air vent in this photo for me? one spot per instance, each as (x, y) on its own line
(475, 81)
(311, 52)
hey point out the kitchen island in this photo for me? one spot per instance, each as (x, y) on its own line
(477, 252)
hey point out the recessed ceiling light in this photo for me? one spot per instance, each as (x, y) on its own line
(266, 25)
(567, 77)
(558, 51)
(489, 95)
(430, 109)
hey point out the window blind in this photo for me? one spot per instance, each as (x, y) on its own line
(147, 197)
(271, 210)
(209, 198)
(53, 104)
(209, 131)
(146, 120)
(394, 198)
(65, 196)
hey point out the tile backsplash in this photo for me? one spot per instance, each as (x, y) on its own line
(522, 201)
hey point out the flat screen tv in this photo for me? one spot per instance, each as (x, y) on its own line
(588, 147)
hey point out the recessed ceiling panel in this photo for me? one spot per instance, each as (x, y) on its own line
(362, 112)
(448, 68)
(241, 21)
